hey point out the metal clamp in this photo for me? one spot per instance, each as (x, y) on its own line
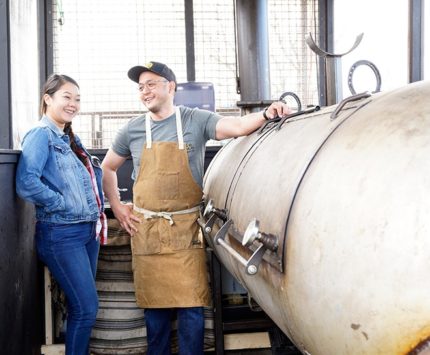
(210, 208)
(251, 265)
(214, 214)
(252, 234)
(207, 227)
(268, 241)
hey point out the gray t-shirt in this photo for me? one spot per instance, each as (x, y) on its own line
(198, 127)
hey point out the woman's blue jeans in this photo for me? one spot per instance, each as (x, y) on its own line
(191, 326)
(70, 252)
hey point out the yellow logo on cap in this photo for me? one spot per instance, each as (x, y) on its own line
(149, 65)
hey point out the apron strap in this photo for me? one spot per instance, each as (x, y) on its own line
(148, 131)
(147, 214)
(178, 129)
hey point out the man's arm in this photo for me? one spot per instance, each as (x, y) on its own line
(123, 213)
(229, 127)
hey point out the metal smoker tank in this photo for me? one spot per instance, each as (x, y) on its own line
(325, 219)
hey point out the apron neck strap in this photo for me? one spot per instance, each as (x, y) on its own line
(178, 129)
(148, 131)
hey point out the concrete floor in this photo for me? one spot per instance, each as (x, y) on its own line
(244, 352)
(257, 352)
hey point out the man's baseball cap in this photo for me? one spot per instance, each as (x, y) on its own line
(154, 67)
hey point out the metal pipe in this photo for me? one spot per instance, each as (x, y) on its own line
(253, 51)
(189, 40)
(6, 141)
(416, 40)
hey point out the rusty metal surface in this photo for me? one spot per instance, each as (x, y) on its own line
(348, 200)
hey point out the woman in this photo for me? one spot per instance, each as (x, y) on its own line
(56, 173)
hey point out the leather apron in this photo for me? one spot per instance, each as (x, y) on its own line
(169, 260)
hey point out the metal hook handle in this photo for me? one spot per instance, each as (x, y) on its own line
(348, 99)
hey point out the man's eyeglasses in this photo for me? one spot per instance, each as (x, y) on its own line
(151, 84)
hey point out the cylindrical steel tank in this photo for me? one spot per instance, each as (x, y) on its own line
(343, 196)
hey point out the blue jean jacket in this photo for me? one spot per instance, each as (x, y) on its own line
(50, 175)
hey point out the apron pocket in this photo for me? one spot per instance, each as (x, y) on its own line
(184, 234)
(147, 239)
(163, 187)
(167, 186)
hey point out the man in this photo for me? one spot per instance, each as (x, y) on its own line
(167, 146)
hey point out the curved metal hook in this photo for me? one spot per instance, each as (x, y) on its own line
(312, 45)
(371, 66)
(294, 96)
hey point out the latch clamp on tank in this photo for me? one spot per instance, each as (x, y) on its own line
(214, 213)
(252, 234)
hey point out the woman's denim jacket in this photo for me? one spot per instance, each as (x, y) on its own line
(50, 175)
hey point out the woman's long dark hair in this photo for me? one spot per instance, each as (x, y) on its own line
(52, 85)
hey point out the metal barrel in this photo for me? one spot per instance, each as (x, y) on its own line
(342, 194)
(120, 326)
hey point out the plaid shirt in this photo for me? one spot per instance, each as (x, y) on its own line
(101, 229)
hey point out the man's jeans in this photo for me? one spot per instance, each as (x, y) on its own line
(190, 330)
(70, 252)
